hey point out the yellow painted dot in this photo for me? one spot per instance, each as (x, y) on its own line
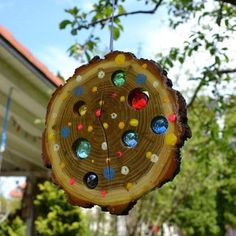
(108, 160)
(63, 97)
(69, 123)
(144, 66)
(166, 100)
(90, 128)
(51, 136)
(101, 102)
(171, 139)
(94, 89)
(148, 155)
(121, 125)
(134, 122)
(62, 165)
(92, 161)
(120, 59)
(122, 99)
(129, 186)
(105, 125)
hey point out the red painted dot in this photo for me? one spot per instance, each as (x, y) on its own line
(119, 154)
(98, 112)
(114, 95)
(172, 118)
(80, 126)
(103, 194)
(71, 181)
(138, 99)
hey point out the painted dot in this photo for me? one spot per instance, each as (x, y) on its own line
(90, 128)
(124, 170)
(104, 146)
(101, 74)
(94, 89)
(51, 136)
(78, 91)
(134, 122)
(80, 126)
(148, 155)
(155, 84)
(159, 125)
(62, 165)
(130, 139)
(56, 147)
(121, 125)
(129, 186)
(171, 139)
(144, 66)
(103, 193)
(54, 115)
(113, 116)
(98, 113)
(105, 125)
(118, 78)
(71, 181)
(108, 173)
(138, 99)
(120, 59)
(141, 79)
(172, 118)
(101, 102)
(91, 180)
(119, 154)
(122, 99)
(69, 124)
(92, 161)
(80, 108)
(82, 148)
(166, 100)
(78, 78)
(108, 160)
(114, 95)
(154, 158)
(65, 132)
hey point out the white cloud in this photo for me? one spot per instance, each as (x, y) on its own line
(57, 60)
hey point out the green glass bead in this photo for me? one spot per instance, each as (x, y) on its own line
(82, 148)
(119, 78)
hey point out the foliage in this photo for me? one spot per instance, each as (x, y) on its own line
(13, 228)
(55, 215)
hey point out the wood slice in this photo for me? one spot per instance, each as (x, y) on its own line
(114, 132)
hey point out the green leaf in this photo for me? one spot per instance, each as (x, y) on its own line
(64, 23)
(116, 33)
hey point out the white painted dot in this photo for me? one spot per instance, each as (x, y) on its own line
(104, 146)
(113, 116)
(78, 78)
(124, 170)
(155, 84)
(101, 74)
(56, 147)
(154, 158)
(54, 115)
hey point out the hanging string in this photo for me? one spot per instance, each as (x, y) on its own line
(112, 26)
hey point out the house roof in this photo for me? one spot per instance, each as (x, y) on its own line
(24, 52)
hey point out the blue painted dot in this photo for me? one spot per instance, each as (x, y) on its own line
(159, 125)
(79, 91)
(141, 79)
(130, 139)
(65, 132)
(109, 173)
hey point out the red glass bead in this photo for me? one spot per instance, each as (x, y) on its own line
(138, 99)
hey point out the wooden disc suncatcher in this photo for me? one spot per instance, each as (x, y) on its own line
(114, 132)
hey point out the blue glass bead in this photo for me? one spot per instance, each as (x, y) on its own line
(141, 79)
(159, 125)
(130, 139)
(91, 180)
(109, 173)
(65, 132)
(82, 148)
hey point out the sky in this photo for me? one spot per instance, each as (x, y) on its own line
(36, 25)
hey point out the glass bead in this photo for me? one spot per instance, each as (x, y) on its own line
(91, 180)
(138, 99)
(159, 125)
(130, 139)
(82, 148)
(119, 78)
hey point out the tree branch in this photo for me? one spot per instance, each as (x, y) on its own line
(233, 2)
(226, 71)
(195, 94)
(103, 21)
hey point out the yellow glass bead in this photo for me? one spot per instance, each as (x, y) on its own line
(129, 186)
(122, 99)
(105, 125)
(134, 122)
(148, 155)
(83, 110)
(121, 125)
(120, 59)
(170, 139)
(90, 128)
(94, 89)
